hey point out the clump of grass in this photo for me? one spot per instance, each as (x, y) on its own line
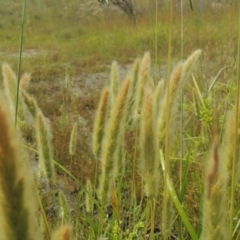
(113, 137)
(147, 104)
(27, 104)
(149, 153)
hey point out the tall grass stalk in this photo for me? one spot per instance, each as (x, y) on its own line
(235, 153)
(30, 103)
(20, 61)
(132, 94)
(131, 115)
(156, 37)
(149, 156)
(46, 169)
(165, 227)
(112, 141)
(169, 106)
(88, 197)
(181, 133)
(100, 123)
(64, 215)
(144, 72)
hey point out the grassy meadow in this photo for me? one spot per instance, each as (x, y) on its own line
(126, 129)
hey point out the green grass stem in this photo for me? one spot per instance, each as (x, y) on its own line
(176, 201)
(20, 61)
(166, 151)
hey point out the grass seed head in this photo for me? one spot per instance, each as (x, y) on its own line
(30, 103)
(149, 154)
(25, 80)
(89, 197)
(46, 170)
(168, 103)
(112, 142)
(73, 140)
(144, 72)
(65, 215)
(132, 93)
(100, 123)
(10, 89)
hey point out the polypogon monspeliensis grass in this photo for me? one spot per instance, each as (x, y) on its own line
(143, 103)
(64, 215)
(25, 80)
(100, 123)
(112, 141)
(215, 206)
(73, 140)
(27, 104)
(16, 203)
(30, 103)
(166, 127)
(10, 90)
(177, 81)
(134, 74)
(143, 77)
(44, 136)
(89, 197)
(148, 142)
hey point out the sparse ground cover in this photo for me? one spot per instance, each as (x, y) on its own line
(68, 51)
